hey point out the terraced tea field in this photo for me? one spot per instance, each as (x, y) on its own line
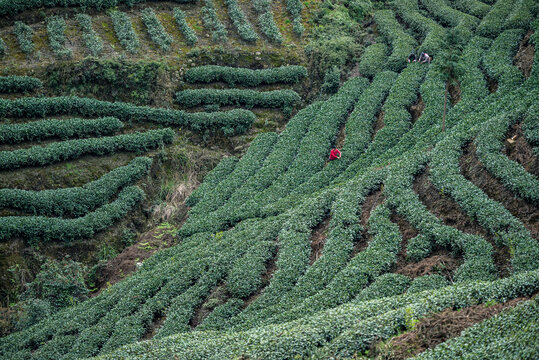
(420, 241)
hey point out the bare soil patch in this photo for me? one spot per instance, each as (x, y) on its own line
(441, 262)
(371, 201)
(417, 109)
(524, 57)
(378, 124)
(492, 84)
(407, 232)
(217, 297)
(454, 93)
(438, 328)
(475, 172)
(518, 149)
(318, 239)
(125, 263)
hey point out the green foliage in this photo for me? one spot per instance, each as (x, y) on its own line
(124, 31)
(373, 59)
(522, 15)
(15, 84)
(24, 34)
(61, 283)
(43, 229)
(385, 285)
(531, 125)
(402, 44)
(212, 23)
(418, 248)
(493, 23)
(294, 7)
(155, 29)
(72, 149)
(63, 129)
(498, 60)
(248, 98)
(56, 27)
(3, 47)
(245, 77)
(266, 21)
(231, 122)
(187, 31)
(91, 39)
(240, 21)
(427, 282)
(472, 7)
(76, 201)
(332, 80)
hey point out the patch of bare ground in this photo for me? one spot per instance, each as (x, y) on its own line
(436, 329)
(154, 326)
(441, 262)
(417, 109)
(451, 214)
(371, 201)
(318, 239)
(492, 84)
(407, 232)
(474, 171)
(454, 92)
(217, 297)
(271, 266)
(119, 267)
(378, 124)
(518, 149)
(524, 57)
(339, 142)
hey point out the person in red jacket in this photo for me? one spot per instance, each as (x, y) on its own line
(334, 154)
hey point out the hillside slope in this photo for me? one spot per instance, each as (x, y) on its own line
(285, 254)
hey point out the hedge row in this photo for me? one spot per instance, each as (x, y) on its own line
(266, 21)
(155, 29)
(56, 27)
(509, 335)
(498, 60)
(240, 21)
(16, 84)
(477, 252)
(385, 285)
(472, 80)
(359, 130)
(24, 34)
(91, 39)
(212, 22)
(12, 7)
(343, 331)
(72, 149)
(473, 7)
(246, 77)
(489, 144)
(285, 99)
(530, 125)
(39, 228)
(493, 22)
(189, 34)
(294, 7)
(274, 166)
(522, 15)
(302, 163)
(402, 44)
(64, 129)
(245, 168)
(373, 59)
(214, 177)
(76, 201)
(433, 33)
(123, 28)
(231, 122)
(493, 216)
(449, 16)
(379, 257)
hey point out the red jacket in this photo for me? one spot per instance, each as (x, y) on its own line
(334, 154)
